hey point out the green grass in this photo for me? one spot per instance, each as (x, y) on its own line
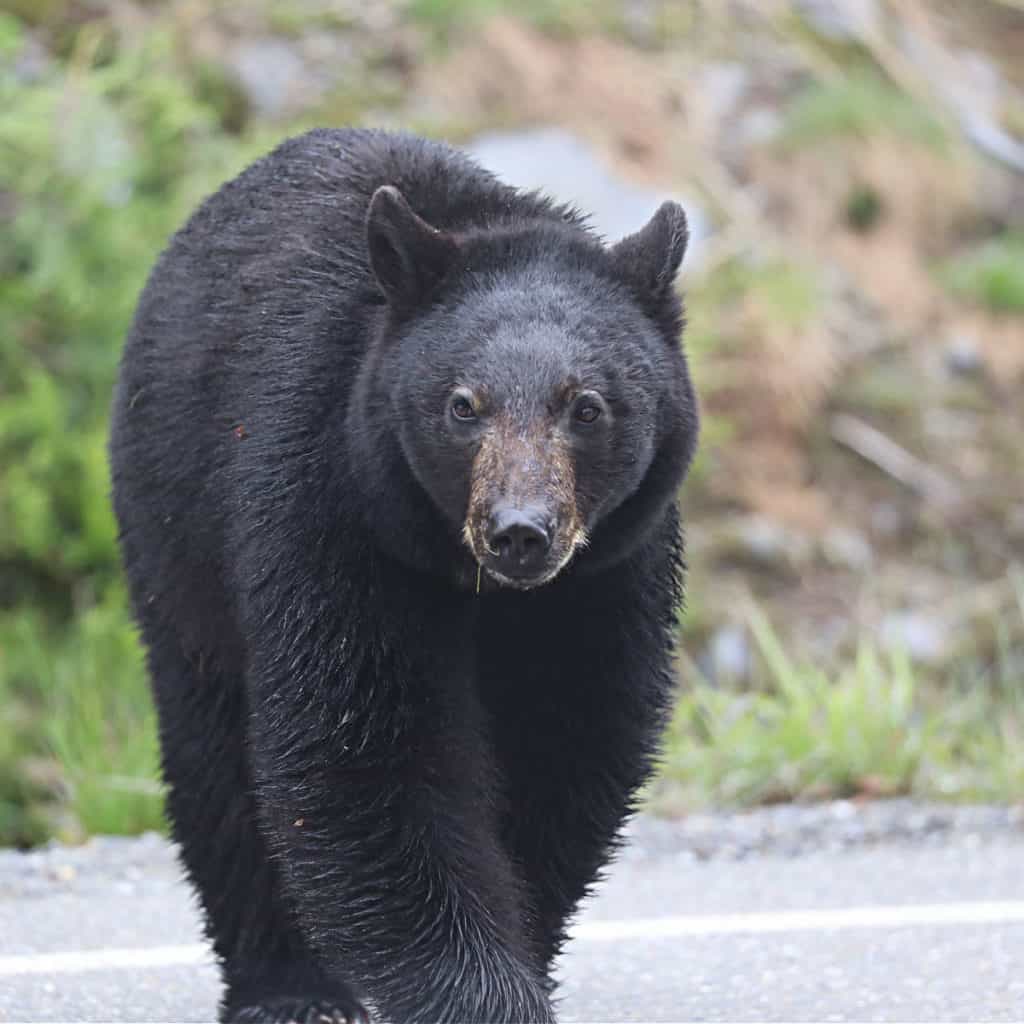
(791, 295)
(293, 19)
(101, 726)
(871, 726)
(991, 275)
(865, 207)
(101, 157)
(446, 15)
(81, 736)
(859, 105)
(446, 19)
(806, 733)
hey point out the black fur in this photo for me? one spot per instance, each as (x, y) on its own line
(386, 785)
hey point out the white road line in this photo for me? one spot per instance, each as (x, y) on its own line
(684, 926)
(104, 960)
(1011, 912)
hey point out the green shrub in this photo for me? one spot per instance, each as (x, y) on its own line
(861, 105)
(874, 725)
(101, 726)
(804, 733)
(98, 167)
(992, 274)
(78, 751)
(100, 160)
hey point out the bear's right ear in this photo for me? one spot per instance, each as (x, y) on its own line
(408, 256)
(650, 258)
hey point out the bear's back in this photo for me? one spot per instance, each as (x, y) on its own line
(282, 245)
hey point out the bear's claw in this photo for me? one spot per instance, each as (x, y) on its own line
(285, 1010)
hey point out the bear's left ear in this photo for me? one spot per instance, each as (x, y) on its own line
(650, 259)
(408, 256)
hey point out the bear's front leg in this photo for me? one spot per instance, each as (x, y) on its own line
(377, 793)
(578, 714)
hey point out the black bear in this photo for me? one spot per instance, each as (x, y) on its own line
(395, 455)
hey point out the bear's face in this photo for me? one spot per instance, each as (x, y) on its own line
(523, 432)
(531, 391)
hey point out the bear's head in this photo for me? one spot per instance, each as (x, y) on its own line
(532, 384)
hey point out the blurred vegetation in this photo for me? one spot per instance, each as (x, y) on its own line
(992, 275)
(826, 297)
(872, 728)
(860, 104)
(101, 157)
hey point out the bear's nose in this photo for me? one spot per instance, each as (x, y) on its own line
(518, 540)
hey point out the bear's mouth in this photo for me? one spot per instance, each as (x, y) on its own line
(559, 556)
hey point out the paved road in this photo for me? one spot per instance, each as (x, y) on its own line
(891, 929)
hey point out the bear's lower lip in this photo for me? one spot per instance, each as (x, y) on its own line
(521, 582)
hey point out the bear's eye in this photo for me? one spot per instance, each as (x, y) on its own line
(587, 410)
(462, 408)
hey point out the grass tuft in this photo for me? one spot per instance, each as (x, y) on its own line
(860, 105)
(102, 727)
(805, 734)
(86, 750)
(991, 275)
(872, 727)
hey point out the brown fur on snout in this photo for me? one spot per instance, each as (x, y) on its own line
(526, 468)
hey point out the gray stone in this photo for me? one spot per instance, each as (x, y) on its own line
(760, 126)
(1015, 522)
(32, 61)
(841, 20)
(721, 87)
(972, 86)
(770, 545)
(842, 810)
(886, 518)
(565, 167)
(847, 549)
(271, 72)
(963, 355)
(923, 637)
(729, 653)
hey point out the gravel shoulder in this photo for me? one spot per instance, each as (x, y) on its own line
(784, 830)
(791, 830)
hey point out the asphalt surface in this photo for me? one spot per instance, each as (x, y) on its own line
(896, 925)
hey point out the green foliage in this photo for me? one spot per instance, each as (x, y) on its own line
(860, 105)
(99, 166)
(789, 292)
(804, 734)
(80, 754)
(101, 725)
(21, 822)
(864, 208)
(35, 12)
(992, 274)
(983, 754)
(299, 16)
(446, 18)
(871, 726)
(100, 160)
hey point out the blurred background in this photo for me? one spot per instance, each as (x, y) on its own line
(854, 175)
